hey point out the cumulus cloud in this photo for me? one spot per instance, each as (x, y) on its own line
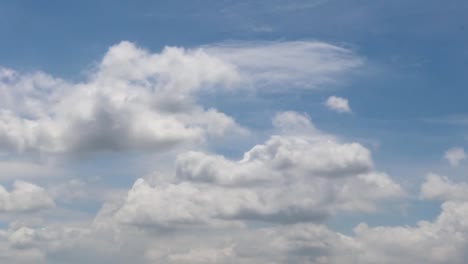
(133, 100)
(443, 240)
(338, 104)
(289, 178)
(455, 155)
(24, 197)
(442, 188)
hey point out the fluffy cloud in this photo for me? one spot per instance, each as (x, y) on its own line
(442, 188)
(338, 104)
(290, 178)
(455, 155)
(134, 99)
(442, 240)
(24, 197)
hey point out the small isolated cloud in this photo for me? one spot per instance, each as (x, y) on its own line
(455, 155)
(338, 104)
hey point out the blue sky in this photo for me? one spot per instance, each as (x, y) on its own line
(116, 112)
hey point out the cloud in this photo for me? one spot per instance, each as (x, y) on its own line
(24, 197)
(294, 123)
(442, 188)
(15, 169)
(135, 99)
(286, 65)
(338, 104)
(441, 241)
(455, 155)
(22, 238)
(287, 179)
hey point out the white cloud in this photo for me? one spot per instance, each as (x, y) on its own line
(24, 197)
(285, 65)
(442, 188)
(293, 123)
(338, 104)
(455, 155)
(290, 178)
(133, 100)
(441, 241)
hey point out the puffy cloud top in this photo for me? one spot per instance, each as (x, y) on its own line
(287, 179)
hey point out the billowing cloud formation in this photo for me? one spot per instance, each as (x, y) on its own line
(290, 178)
(135, 99)
(338, 104)
(441, 241)
(24, 197)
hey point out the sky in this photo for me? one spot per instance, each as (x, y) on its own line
(199, 131)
